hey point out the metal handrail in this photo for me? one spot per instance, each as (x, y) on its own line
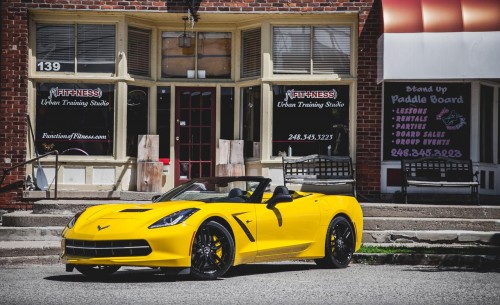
(54, 152)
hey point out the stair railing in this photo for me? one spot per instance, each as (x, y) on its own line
(6, 171)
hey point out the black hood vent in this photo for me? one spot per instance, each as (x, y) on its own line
(134, 210)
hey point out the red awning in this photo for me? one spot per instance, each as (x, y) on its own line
(416, 16)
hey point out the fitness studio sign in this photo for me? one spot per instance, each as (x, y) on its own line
(310, 120)
(75, 118)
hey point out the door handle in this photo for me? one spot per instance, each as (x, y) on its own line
(177, 138)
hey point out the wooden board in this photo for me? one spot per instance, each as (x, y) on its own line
(148, 148)
(149, 176)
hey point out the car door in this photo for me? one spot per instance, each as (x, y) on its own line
(286, 229)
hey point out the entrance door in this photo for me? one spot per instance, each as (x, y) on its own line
(194, 133)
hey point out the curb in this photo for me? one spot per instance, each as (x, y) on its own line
(483, 262)
(479, 262)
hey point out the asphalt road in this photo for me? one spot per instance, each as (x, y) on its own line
(280, 283)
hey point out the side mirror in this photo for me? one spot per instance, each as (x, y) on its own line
(277, 199)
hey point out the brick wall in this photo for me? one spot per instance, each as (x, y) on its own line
(13, 99)
(13, 79)
(369, 134)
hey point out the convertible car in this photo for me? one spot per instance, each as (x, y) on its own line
(208, 225)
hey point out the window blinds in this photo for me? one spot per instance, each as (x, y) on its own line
(139, 51)
(250, 53)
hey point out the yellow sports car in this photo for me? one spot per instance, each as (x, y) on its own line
(207, 225)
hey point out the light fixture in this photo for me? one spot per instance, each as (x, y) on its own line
(185, 40)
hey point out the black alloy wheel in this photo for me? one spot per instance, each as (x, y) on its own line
(97, 271)
(340, 243)
(213, 251)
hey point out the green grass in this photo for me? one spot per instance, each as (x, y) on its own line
(429, 250)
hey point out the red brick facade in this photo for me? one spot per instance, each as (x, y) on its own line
(14, 73)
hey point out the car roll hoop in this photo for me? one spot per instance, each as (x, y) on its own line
(280, 194)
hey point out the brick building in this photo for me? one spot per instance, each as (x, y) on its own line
(285, 77)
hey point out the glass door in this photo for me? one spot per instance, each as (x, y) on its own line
(194, 133)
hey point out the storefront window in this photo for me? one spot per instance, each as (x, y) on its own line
(310, 120)
(163, 120)
(250, 105)
(94, 52)
(227, 114)
(75, 119)
(311, 50)
(427, 119)
(208, 56)
(486, 124)
(137, 117)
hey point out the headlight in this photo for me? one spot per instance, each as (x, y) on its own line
(73, 220)
(173, 219)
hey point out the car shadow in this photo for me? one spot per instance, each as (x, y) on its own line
(144, 275)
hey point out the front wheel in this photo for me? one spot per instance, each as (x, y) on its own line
(340, 243)
(213, 251)
(97, 271)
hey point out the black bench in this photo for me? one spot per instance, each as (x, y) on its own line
(439, 172)
(319, 170)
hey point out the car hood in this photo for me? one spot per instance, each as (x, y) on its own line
(127, 218)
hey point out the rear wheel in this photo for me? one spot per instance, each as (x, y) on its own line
(340, 243)
(213, 251)
(97, 271)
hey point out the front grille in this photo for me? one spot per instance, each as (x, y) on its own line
(108, 248)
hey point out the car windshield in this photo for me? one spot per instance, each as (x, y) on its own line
(219, 189)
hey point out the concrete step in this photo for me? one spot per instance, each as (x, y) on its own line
(72, 194)
(429, 211)
(28, 219)
(425, 224)
(52, 233)
(72, 206)
(29, 252)
(29, 248)
(94, 195)
(442, 237)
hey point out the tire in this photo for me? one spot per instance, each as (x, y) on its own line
(213, 251)
(340, 243)
(97, 271)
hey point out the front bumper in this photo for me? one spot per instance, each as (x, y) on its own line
(167, 247)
